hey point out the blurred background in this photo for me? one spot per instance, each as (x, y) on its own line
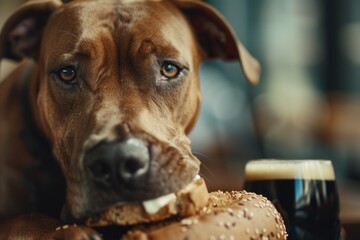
(307, 104)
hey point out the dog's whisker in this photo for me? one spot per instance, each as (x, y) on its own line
(71, 34)
(206, 178)
(207, 169)
(201, 155)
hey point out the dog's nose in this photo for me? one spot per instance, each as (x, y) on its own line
(118, 162)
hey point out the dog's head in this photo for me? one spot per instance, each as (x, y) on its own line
(118, 90)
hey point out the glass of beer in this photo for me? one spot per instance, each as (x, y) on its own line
(303, 191)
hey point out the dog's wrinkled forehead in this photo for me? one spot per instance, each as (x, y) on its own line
(148, 19)
(151, 18)
(123, 22)
(123, 1)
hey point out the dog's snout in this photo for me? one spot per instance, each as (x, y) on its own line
(118, 162)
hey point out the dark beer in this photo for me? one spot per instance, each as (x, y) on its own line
(304, 192)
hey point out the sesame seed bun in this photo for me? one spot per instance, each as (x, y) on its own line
(228, 215)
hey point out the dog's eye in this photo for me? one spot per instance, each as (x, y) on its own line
(67, 74)
(169, 70)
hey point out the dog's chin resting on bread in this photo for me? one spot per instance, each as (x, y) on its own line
(193, 213)
(186, 202)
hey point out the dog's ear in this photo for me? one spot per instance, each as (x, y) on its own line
(216, 37)
(21, 33)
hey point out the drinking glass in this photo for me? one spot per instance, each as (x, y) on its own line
(303, 191)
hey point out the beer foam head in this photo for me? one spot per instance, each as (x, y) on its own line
(289, 169)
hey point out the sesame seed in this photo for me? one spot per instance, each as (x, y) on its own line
(227, 225)
(65, 226)
(245, 212)
(240, 214)
(220, 223)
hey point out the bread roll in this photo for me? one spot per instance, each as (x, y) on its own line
(186, 202)
(228, 215)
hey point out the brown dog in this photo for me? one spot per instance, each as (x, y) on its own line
(108, 91)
